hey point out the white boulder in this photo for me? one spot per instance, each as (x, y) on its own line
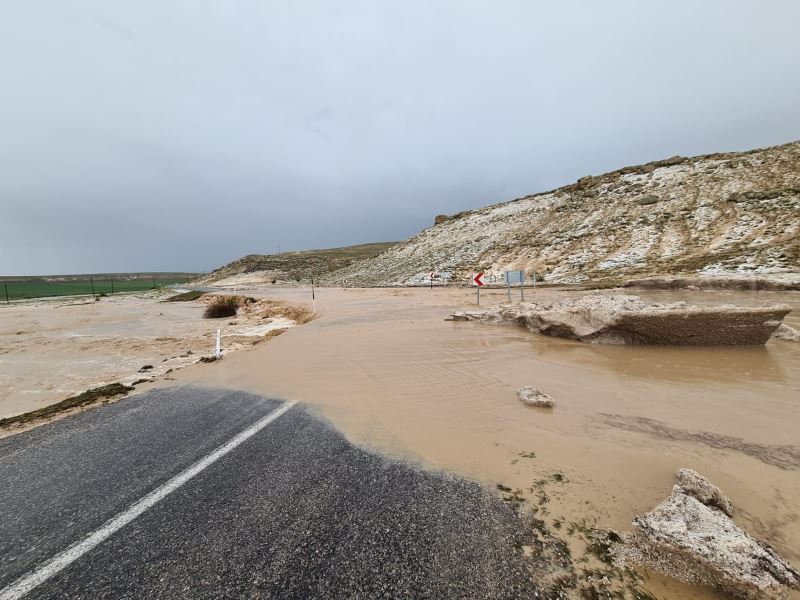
(531, 396)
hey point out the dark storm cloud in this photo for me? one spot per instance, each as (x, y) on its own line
(180, 135)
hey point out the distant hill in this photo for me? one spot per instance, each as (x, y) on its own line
(298, 266)
(730, 213)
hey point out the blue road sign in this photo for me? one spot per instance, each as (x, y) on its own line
(515, 277)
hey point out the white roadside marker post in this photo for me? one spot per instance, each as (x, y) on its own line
(218, 349)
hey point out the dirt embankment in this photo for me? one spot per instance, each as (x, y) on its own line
(53, 351)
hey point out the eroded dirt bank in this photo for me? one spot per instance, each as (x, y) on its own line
(386, 368)
(52, 349)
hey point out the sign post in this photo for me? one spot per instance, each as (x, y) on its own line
(515, 277)
(477, 281)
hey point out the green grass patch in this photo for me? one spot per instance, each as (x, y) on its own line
(87, 397)
(21, 288)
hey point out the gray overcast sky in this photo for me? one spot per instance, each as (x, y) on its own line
(178, 135)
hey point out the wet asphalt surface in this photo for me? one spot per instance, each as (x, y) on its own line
(295, 511)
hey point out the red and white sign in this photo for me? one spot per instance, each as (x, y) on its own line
(477, 279)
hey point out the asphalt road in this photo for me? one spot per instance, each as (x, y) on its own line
(294, 511)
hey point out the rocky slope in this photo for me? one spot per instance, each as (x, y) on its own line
(733, 213)
(297, 266)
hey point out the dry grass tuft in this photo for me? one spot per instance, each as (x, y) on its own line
(225, 306)
(268, 309)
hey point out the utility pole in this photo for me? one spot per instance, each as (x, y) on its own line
(91, 280)
(112, 285)
(6, 286)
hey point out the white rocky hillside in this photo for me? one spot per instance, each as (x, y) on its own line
(728, 213)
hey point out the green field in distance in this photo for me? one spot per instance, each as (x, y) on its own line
(19, 288)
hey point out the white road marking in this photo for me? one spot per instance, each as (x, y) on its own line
(26, 583)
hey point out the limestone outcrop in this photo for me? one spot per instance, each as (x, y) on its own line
(697, 542)
(600, 319)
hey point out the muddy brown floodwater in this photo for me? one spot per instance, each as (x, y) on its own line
(387, 369)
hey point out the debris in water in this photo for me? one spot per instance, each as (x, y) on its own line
(532, 396)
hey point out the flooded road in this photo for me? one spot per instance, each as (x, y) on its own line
(386, 369)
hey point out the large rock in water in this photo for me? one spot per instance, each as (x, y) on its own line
(602, 319)
(786, 333)
(693, 484)
(532, 396)
(694, 541)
